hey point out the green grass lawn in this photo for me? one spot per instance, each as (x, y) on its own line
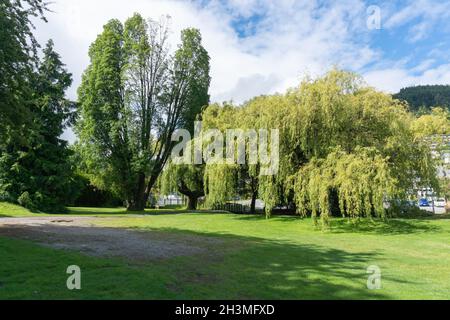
(254, 258)
(8, 210)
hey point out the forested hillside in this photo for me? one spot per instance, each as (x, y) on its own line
(425, 97)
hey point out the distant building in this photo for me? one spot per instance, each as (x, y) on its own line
(160, 201)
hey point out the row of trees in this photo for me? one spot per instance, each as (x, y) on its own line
(345, 148)
(134, 95)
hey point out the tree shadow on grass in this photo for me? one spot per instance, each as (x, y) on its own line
(237, 267)
(439, 217)
(363, 225)
(255, 268)
(384, 227)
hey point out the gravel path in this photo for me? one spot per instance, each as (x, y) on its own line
(79, 233)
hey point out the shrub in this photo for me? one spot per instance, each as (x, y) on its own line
(404, 209)
(25, 201)
(5, 196)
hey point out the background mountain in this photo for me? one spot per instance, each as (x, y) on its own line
(423, 98)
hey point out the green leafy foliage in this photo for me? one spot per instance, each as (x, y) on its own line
(18, 59)
(434, 129)
(437, 122)
(362, 180)
(37, 172)
(133, 96)
(184, 179)
(337, 137)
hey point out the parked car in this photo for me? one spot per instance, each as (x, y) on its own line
(441, 203)
(424, 203)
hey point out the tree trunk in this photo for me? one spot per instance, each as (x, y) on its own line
(192, 202)
(136, 205)
(254, 186)
(146, 191)
(253, 203)
(139, 199)
(192, 195)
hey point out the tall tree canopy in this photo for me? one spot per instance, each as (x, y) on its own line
(38, 173)
(18, 60)
(34, 161)
(133, 96)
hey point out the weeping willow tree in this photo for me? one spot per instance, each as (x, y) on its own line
(342, 145)
(220, 183)
(220, 180)
(357, 143)
(184, 179)
(362, 179)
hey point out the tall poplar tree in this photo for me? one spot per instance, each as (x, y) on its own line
(134, 95)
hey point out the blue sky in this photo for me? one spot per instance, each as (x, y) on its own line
(411, 31)
(261, 47)
(413, 39)
(423, 37)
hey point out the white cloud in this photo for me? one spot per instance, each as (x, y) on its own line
(419, 32)
(424, 65)
(423, 14)
(392, 80)
(293, 37)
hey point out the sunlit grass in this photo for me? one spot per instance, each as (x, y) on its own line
(255, 258)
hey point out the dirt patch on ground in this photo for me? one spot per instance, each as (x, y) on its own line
(78, 233)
